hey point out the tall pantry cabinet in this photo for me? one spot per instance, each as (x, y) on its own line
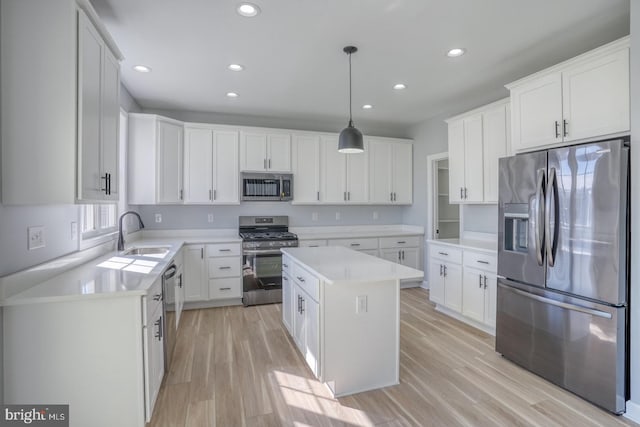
(60, 83)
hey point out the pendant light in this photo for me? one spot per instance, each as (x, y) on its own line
(350, 140)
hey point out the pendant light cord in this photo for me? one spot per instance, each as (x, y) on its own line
(350, 115)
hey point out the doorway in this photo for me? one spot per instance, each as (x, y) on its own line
(445, 222)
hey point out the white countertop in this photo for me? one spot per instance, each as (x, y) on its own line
(350, 232)
(481, 245)
(338, 264)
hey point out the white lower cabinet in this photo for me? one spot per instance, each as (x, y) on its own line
(213, 272)
(196, 288)
(305, 327)
(465, 282)
(153, 337)
(287, 301)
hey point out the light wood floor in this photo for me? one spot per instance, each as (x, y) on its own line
(236, 366)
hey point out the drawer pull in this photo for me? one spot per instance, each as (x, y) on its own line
(300, 278)
(402, 242)
(314, 246)
(225, 267)
(157, 297)
(285, 278)
(285, 265)
(224, 250)
(225, 289)
(355, 244)
(483, 262)
(443, 253)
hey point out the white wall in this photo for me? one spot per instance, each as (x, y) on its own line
(635, 208)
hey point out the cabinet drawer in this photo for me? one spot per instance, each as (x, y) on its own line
(153, 300)
(224, 249)
(286, 265)
(356, 244)
(307, 281)
(311, 243)
(225, 288)
(224, 267)
(445, 253)
(399, 242)
(481, 260)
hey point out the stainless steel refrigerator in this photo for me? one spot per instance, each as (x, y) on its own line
(563, 273)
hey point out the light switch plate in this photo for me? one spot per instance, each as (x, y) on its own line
(158, 217)
(210, 217)
(337, 216)
(74, 230)
(314, 216)
(375, 215)
(361, 304)
(35, 237)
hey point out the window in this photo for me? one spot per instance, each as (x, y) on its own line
(98, 220)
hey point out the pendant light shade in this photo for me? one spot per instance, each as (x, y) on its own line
(350, 140)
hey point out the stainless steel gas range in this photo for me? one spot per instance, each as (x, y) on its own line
(262, 238)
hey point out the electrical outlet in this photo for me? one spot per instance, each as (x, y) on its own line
(337, 216)
(36, 237)
(361, 304)
(158, 217)
(210, 217)
(314, 216)
(375, 215)
(74, 230)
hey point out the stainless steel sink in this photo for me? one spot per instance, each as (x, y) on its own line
(152, 251)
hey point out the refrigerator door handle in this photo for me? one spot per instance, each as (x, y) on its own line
(561, 304)
(551, 239)
(540, 212)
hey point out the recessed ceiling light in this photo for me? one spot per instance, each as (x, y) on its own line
(142, 68)
(232, 95)
(235, 67)
(458, 51)
(399, 86)
(248, 10)
(367, 107)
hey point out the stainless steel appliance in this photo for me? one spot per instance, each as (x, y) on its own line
(262, 238)
(169, 278)
(267, 186)
(563, 252)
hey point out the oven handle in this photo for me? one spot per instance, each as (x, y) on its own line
(261, 252)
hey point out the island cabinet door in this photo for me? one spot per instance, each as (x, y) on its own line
(312, 344)
(299, 326)
(436, 282)
(287, 302)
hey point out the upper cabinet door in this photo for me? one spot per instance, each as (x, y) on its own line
(110, 122)
(456, 161)
(536, 111)
(92, 185)
(402, 173)
(279, 152)
(473, 165)
(198, 165)
(169, 169)
(357, 176)
(253, 151)
(380, 171)
(334, 171)
(225, 174)
(306, 169)
(495, 140)
(595, 97)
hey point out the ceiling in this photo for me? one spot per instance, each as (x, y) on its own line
(295, 67)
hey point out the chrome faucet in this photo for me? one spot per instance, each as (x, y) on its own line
(120, 236)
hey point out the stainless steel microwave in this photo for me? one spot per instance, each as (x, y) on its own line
(267, 186)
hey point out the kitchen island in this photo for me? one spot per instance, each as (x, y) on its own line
(342, 308)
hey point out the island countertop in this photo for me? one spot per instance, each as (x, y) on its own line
(340, 264)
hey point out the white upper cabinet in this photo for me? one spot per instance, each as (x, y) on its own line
(210, 165)
(306, 168)
(477, 140)
(344, 176)
(390, 171)
(155, 160)
(60, 71)
(585, 97)
(265, 151)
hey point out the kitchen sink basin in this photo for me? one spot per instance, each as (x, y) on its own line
(152, 251)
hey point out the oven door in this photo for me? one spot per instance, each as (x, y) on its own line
(261, 269)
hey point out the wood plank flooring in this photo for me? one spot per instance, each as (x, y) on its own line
(236, 366)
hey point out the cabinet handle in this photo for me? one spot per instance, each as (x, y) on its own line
(461, 194)
(300, 278)
(158, 323)
(465, 192)
(299, 304)
(314, 246)
(565, 126)
(210, 195)
(344, 196)
(401, 242)
(403, 254)
(480, 280)
(394, 196)
(391, 197)
(355, 244)
(557, 129)
(264, 164)
(181, 195)
(180, 280)
(225, 267)
(485, 282)
(285, 265)
(269, 163)
(399, 256)
(318, 196)
(441, 269)
(302, 300)
(201, 253)
(105, 183)
(225, 289)
(349, 195)
(157, 297)
(445, 271)
(443, 253)
(483, 262)
(285, 278)
(224, 250)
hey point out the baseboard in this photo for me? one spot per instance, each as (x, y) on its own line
(464, 319)
(633, 411)
(424, 285)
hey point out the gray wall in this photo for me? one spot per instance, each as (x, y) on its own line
(127, 102)
(480, 218)
(195, 217)
(635, 202)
